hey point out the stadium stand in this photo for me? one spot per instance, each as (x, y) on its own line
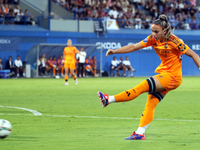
(136, 14)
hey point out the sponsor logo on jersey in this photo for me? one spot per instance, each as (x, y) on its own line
(145, 40)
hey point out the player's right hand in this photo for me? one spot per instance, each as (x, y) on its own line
(110, 52)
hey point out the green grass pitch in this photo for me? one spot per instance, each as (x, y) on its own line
(73, 119)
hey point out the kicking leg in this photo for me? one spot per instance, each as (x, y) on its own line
(145, 86)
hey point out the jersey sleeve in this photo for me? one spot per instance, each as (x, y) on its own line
(182, 47)
(76, 50)
(148, 41)
(64, 52)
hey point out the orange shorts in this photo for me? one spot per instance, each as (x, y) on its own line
(70, 65)
(169, 81)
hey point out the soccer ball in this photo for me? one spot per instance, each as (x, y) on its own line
(5, 128)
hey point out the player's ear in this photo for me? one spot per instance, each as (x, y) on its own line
(164, 32)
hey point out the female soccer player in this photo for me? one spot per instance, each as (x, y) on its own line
(69, 61)
(170, 50)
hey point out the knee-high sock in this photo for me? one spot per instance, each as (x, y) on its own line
(54, 70)
(149, 110)
(66, 78)
(132, 93)
(74, 76)
(95, 72)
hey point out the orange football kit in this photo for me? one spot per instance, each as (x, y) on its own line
(169, 75)
(69, 57)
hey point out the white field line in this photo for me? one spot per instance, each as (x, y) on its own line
(97, 117)
(30, 110)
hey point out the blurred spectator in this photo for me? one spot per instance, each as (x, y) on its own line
(16, 2)
(6, 9)
(2, 9)
(179, 4)
(146, 25)
(10, 18)
(18, 18)
(20, 69)
(193, 24)
(172, 21)
(1, 64)
(85, 13)
(117, 5)
(124, 22)
(121, 14)
(193, 2)
(198, 12)
(94, 10)
(10, 66)
(129, 14)
(180, 24)
(138, 22)
(79, 13)
(192, 11)
(125, 4)
(28, 18)
(113, 13)
(16, 10)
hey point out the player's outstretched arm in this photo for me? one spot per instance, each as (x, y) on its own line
(194, 56)
(125, 49)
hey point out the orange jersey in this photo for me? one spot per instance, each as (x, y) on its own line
(69, 53)
(171, 57)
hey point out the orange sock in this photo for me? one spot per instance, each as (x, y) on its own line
(132, 93)
(149, 110)
(54, 70)
(74, 77)
(66, 78)
(95, 72)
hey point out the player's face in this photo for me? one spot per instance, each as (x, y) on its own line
(156, 32)
(69, 43)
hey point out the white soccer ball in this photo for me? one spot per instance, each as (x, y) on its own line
(5, 128)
